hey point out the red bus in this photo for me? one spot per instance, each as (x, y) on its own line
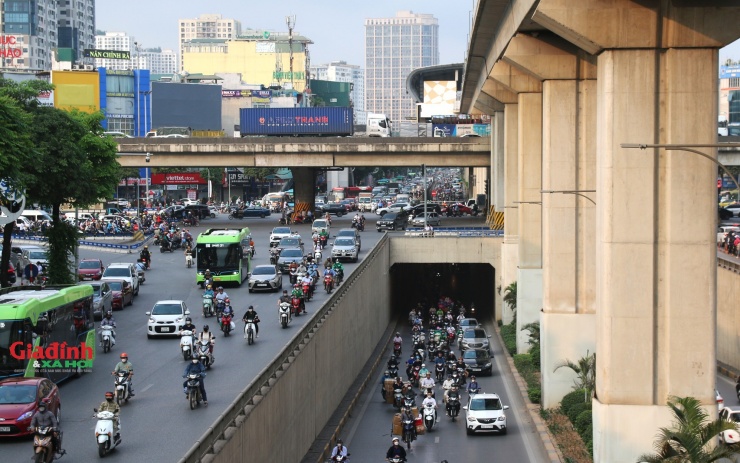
(344, 192)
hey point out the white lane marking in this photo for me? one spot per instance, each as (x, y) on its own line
(436, 440)
(147, 387)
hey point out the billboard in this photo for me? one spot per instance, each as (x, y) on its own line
(440, 91)
(180, 178)
(76, 90)
(197, 106)
(107, 54)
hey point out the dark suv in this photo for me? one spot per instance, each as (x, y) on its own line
(199, 210)
(392, 221)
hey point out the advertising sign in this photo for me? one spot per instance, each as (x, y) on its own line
(76, 90)
(107, 54)
(236, 93)
(10, 46)
(184, 178)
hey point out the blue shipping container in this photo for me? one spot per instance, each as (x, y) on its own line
(327, 121)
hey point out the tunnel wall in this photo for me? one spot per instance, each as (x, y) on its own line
(283, 424)
(728, 316)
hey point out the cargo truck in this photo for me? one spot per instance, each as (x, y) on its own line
(365, 202)
(296, 122)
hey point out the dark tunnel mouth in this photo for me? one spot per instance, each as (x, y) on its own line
(426, 283)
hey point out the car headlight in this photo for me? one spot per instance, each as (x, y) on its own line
(502, 418)
(25, 416)
(488, 365)
(178, 320)
(471, 419)
(152, 320)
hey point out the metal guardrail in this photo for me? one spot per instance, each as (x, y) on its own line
(465, 232)
(216, 432)
(97, 244)
(727, 263)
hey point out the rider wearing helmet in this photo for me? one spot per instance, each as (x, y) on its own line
(195, 367)
(396, 451)
(145, 254)
(208, 292)
(206, 335)
(125, 365)
(339, 450)
(221, 295)
(298, 292)
(251, 317)
(44, 418)
(338, 268)
(108, 320)
(109, 405)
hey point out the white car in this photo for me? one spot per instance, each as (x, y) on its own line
(396, 207)
(115, 218)
(734, 208)
(486, 413)
(731, 436)
(122, 271)
(190, 202)
(320, 225)
(266, 277)
(277, 234)
(433, 219)
(166, 318)
(344, 248)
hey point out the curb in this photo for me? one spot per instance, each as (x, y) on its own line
(727, 371)
(553, 452)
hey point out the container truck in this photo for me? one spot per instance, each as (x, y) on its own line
(296, 122)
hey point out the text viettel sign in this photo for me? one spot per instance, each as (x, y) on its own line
(184, 178)
(10, 47)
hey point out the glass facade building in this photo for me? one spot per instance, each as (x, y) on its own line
(393, 48)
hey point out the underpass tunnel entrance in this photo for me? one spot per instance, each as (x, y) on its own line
(426, 283)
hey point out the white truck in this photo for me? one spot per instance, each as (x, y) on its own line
(378, 125)
(365, 202)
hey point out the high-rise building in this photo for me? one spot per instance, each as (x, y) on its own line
(393, 48)
(207, 26)
(29, 34)
(154, 59)
(76, 25)
(340, 71)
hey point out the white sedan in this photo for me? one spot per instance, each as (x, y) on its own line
(166, 318)
(731, 436)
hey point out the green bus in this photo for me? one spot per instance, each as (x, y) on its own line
(225, 252)
(46, 331)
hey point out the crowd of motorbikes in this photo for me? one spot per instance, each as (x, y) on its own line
(171, 238)
(432, 346)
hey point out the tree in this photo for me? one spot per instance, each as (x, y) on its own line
(691, 439)
(74, 164)
(16, 145)
(510, 297)
(585, 371)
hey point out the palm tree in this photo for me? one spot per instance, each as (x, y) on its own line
(691, 439)
(510, 297)
(585, 371)
(534, 332)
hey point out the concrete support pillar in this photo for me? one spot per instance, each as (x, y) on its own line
(655, 256)
(568, 319)
(529, 274)
(304, 185)
(496, 185)
(510, 245)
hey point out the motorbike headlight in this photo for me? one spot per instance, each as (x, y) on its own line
(25, 416)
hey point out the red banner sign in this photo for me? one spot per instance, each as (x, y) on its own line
(184, 178)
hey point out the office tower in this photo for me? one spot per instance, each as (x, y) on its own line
(29, 34)
(393, 48)
(207, 26)
(340, 71)
(76, 25)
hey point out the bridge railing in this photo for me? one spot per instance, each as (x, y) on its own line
(463, 232)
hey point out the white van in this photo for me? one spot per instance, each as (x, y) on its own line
(35, 215)
(378, 125)
(402, 198)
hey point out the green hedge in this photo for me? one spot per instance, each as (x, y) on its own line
(535, 394)
(508, 333)
(527, 365)
(584, 421)
(570, 399)
(576, 410)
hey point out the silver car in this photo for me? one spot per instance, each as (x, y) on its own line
(432, 219)
(475, 338)
(102, 298)
(265, 277)
(344, 248)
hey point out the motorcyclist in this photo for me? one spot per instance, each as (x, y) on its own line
(410, 364)
(126, 366)
(423, 372)
(429, 400)
(427, 383)
(188, 326)
(307, 280)
(207, 336)
(386, 375)
(221, 295)
(440, 359)
(145, 254)
(453, 393)
(298, 292)
(228, 310)
(188, 254)
(396, 451)
(195, 367)
(108, 320)
(250, 316)
(207, 276)
(473, 386)
(140, 266)
(447, 385)
(109, 405)
(284, 298)
(339, 450)
(338, 268)
(397, 339)
(45, 418)
(209, 292)
(323, 237)
(393, 362)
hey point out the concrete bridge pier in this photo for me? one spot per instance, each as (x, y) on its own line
(655, 256)
(304, 185)
(510, 244)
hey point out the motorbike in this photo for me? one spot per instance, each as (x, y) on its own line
(451, 367)
(397, 349)
(322, 240)
(453, 406)
(104, 432)
(393, 371)
(340, 458)
(307, 291)
(415, 375)
(122, 393)
(338, 277)
(166, 246)
(397, 460)
(186, 344)
(207, 306)
(250, 331)
(473, 391)
(274, 255)
(439, 369)
(360, 226)
(42, 444)
(317, 256)
(409, 400)
(226, 324)
(284, 314)
(295, 303)
(189, 260)
(220, 306)
(106, 331)
(293, 276)
(157, 240)
(397, 396)
(193, 387)
(409, 432)
(429, 416)
(328, 283)
(145, 261)
(204, 353)
(236, 214)
(140, 275)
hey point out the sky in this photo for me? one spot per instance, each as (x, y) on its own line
(337, 33)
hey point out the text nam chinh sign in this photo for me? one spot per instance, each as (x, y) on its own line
(107, 54)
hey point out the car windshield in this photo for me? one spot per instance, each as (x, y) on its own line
(291, 253)
(469, 322)
(389, 216)
(117, 272)
(290, 242)
(89, 264)
(167, 309)
(37, 255)
(475, 354)
(470, 334)
(345, 242)
(17, 394)
(96, 289)
(264, 271)
(346, 233)
(281, 231)
(486, 404)
(115, 285)
(319, 223)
